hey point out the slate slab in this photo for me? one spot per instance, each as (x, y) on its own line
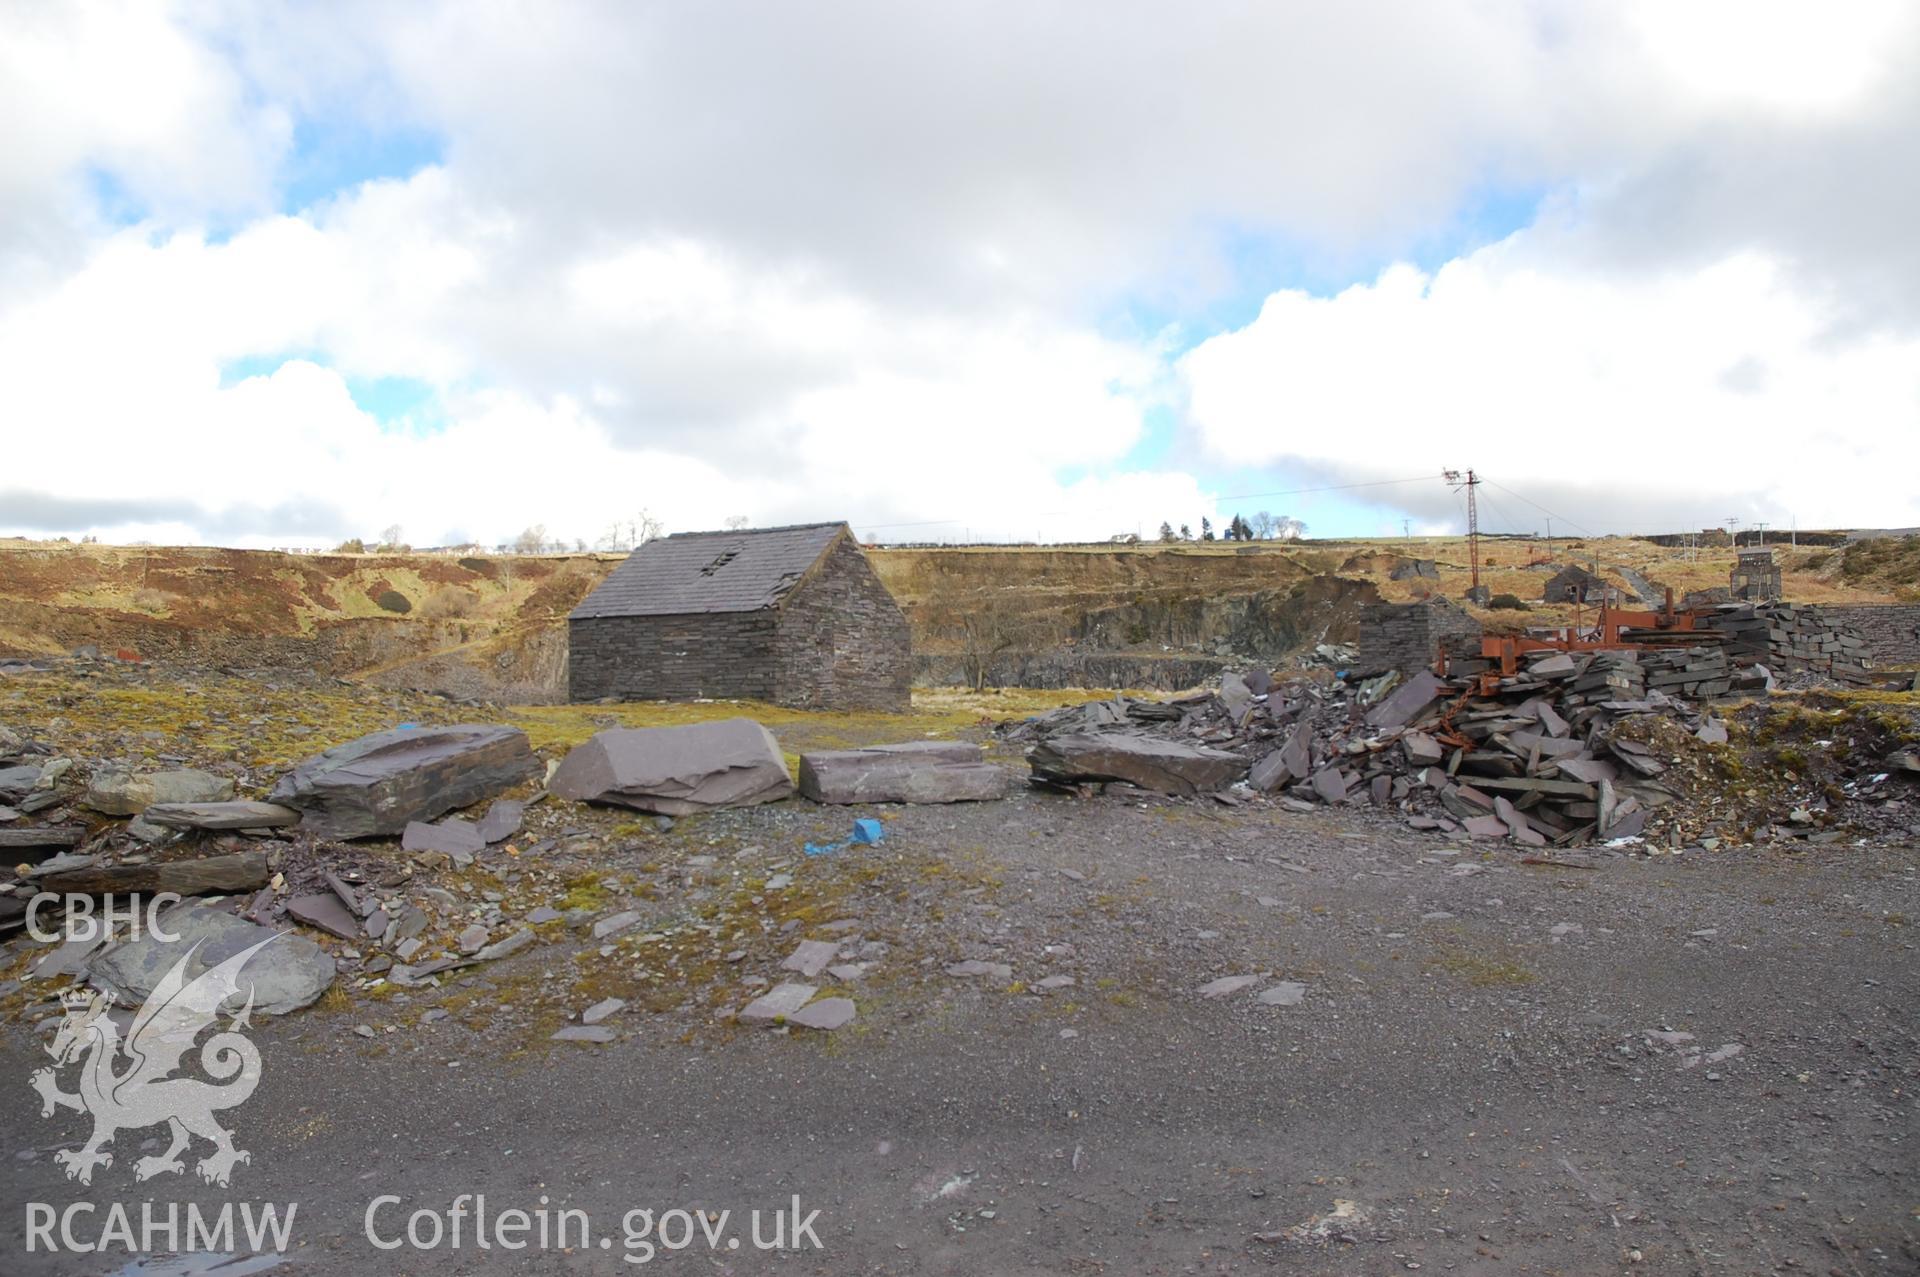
(222, 815)
(1406, 701)
(1165, 766)
(324, 910)
(376, 785)
(811, 958)
(286, 975)
(451, 836)
(913, 772)
(503, 820)
(827, 1014)
(778, 1002)
(123, 793)
(591, 1033)
(601, 1010)
(1227, 985)
(676, 771)
(1330, 784)
(975, 967)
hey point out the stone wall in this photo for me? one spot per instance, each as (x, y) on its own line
(1892, 631)
(843, 642)
(717, 655)
(1407, 636)
(1790, 639)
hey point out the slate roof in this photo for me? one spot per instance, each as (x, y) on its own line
(694, 572)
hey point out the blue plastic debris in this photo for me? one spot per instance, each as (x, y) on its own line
(865, 834)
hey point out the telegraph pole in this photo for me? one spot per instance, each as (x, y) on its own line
(1470, 482)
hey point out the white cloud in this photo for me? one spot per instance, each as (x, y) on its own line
(863, 260)
(1612, 399)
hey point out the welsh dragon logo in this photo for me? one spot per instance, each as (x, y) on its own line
(129, 1085)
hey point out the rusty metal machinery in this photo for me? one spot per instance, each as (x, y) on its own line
(1612, 629)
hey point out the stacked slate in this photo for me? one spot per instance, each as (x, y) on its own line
(1792, 639)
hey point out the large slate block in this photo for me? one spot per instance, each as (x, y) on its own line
(914, 772)
(121, 793)
(286, 975)
(1169, 767)
(676, 770)
(375, 785)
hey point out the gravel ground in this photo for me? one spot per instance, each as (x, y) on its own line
(1478, 1071)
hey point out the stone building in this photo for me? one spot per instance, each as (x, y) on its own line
(793, 615)
(1408, 636)
(1574, 584)
(1755, 577)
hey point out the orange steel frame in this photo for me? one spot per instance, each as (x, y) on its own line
(1605, 634)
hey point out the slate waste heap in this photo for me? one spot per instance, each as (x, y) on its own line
(1558, 754)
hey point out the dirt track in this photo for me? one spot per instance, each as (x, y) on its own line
(1470, 1068)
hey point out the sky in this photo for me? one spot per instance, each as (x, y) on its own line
(285, 274)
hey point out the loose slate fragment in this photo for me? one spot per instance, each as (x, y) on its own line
(778, 1002)
(811, 958)
(325, 912)
(594, 1033)
(502, 821)
(827, 1014)
(450, 837)
(1228, 985)
(601, 1010)
(975, 967)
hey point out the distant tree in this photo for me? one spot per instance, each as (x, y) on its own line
(734, 522)
(1206, 528)
(352, 545)
(1239, 530)
(1288, 528)
(390, 539)
(532, 540)
(1186, 533)
(1166, 530)
(1262, 524)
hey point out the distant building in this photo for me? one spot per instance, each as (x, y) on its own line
(1755, 577)
(795, 616)
(1574, 584)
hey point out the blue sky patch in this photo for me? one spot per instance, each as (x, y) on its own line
(331, 156)
(397, 401)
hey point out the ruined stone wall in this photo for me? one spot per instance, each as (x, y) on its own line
(1406, 636)
(843, 642)
(721, 655)
(1891, 631)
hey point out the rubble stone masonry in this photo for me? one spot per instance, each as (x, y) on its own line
(1406, 636)
(1891, 630)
